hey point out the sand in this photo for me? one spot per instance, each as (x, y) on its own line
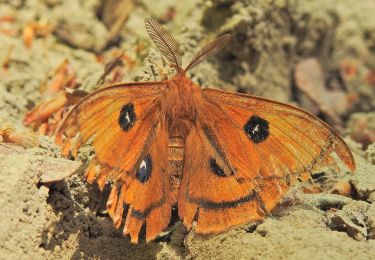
(66, 219)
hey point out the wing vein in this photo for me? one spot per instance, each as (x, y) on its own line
(273, 174)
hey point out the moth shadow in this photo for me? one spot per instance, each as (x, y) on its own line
(82, 226)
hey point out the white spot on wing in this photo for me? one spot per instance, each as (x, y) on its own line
(143, 165)
(127, 117)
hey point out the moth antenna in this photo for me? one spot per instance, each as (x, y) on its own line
(208, 50)
(165, 42)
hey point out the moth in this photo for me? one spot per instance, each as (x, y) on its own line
(221, 159)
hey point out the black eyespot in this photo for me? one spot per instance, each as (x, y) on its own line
(257, 129)
(215, 168)
(144, 170)
(127, 117)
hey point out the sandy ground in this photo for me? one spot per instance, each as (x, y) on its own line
(65, 220)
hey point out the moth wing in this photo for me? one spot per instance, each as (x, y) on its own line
(130, 145)
(253, 150)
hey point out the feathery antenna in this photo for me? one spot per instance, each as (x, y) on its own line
(165, 42)
(208, 50)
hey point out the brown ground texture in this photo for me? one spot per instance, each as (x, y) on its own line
(65, 219)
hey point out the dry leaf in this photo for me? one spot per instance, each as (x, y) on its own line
(310, 80)
(56, 169)
(114, 14)
(27, 139)
(45, 116)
